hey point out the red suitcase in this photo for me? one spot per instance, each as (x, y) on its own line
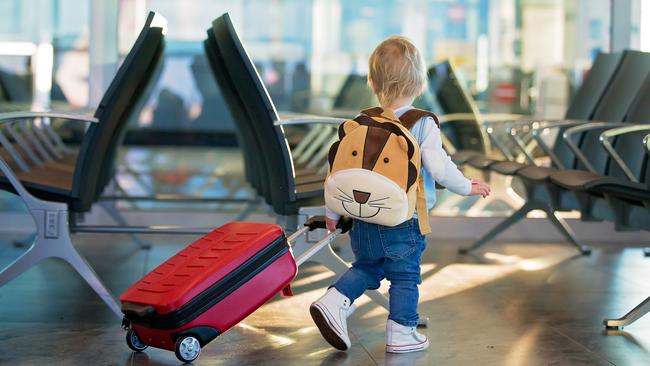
(207, 288)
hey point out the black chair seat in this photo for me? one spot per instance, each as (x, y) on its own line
(574, 180)
(507, 167)
(461, 157)
(635, 193)
(536, 173)
(481, 162)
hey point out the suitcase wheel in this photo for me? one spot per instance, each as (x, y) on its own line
(134, 342)
(187, 348)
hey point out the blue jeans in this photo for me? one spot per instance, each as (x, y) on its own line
(387, 252)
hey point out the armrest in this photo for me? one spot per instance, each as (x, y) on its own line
(541, 127)
(12, 116)
(569, 133)
(455, 117)
(490, 118)
(309, 120)
(495, 141)
(512, 132)
(606, 140)
(501, 117)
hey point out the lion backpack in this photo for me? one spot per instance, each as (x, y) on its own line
(374, 169)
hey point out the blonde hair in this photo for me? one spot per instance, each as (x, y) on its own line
(396, 70)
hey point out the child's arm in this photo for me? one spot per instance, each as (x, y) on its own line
(442, 168)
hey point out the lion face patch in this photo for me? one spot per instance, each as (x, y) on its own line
(373, 172)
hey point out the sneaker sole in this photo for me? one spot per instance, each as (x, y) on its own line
(407, 349)
(326, 330)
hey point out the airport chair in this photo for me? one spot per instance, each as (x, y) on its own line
(460, 120)
(630, 200)
(463, 131)
(248, 97)
(582, 107)
(618, 99)
(600, 157)
(53, 198)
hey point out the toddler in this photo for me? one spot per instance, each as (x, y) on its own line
(397, 75)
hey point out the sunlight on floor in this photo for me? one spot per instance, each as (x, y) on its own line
(276, 340)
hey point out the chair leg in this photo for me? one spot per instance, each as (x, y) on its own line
(70, 255)
(114, 213)
(27, 260)
(53, 241)
(502, 226)
(566, 230)
(633, 315)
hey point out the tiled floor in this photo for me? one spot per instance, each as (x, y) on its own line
(511, 304)
(518, 304)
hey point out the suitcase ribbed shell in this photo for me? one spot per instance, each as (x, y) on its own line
(203, 263)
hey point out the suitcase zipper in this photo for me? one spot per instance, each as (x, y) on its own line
(215, 293)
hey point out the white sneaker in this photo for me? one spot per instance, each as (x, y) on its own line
(330, 314)
(402, 339)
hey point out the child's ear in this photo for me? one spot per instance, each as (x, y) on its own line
(371, 84)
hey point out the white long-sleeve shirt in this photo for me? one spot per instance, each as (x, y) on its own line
(437, 165)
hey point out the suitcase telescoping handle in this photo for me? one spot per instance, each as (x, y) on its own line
(318, 222)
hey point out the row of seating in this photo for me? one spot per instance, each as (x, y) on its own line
(59, 185)
(68, 182)
(613, 92)
(55, 182)
(595, 161)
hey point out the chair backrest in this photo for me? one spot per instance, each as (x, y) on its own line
(100, 143)
(612, 106)
(214, 112)
(15, 88)
(248, 84)
(354, 94)
(593, 87)
(624, 86)
(245, 135)
(639, 111)
(452, 98)
(617, 100)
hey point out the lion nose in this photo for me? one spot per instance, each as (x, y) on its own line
(360, 197)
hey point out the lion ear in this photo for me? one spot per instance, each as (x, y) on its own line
(403, 143)
(347, 127)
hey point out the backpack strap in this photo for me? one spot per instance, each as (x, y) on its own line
(373, 112)
(380, 112)
(421, 208)
(410, 117)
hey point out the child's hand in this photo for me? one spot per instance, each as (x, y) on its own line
(330, 224)
(479, 189)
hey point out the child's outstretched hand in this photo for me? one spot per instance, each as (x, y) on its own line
(479, 189)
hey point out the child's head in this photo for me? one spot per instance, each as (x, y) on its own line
(396, 70)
